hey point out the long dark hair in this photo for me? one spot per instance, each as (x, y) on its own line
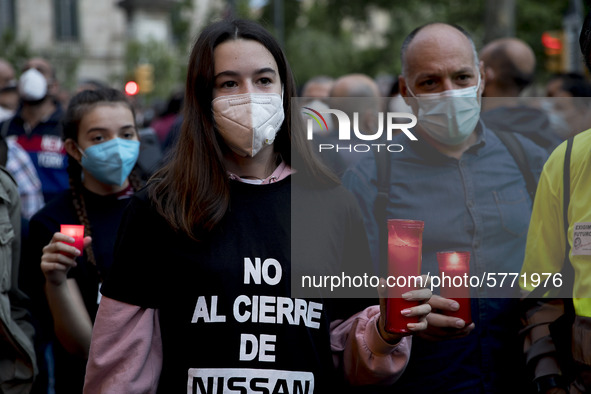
(192, 189)
(79, 106)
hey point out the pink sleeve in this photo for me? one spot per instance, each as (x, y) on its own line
(125, 351)
(362, 354)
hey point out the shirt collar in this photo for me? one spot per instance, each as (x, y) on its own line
(54, 117)
(426, 150)
(281, 172)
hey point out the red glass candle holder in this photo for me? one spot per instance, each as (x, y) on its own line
(454, 270)
(75, 231)
(405, 242)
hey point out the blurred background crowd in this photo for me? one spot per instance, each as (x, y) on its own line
(50, 50)
(142, 46)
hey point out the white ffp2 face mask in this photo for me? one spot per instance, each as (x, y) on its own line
(32, 85)
(450, 116)
(247, 122)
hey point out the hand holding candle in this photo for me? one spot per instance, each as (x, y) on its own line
(60, 254)
(419, 313)
(405, 241)
(75, 231)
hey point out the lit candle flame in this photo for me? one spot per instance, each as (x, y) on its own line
(454, 259)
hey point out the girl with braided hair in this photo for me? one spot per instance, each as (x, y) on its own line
(102, 143)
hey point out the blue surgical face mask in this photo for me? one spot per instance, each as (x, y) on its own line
(111, 162)
(450, 116)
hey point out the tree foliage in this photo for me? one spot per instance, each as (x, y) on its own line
(169, 66)
(322, 36)
(17, 52)
(14, 51)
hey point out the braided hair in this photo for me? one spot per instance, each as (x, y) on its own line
(79, 106)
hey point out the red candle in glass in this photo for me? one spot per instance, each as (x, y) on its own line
(454, 269)
(75, 231)
(405, 242)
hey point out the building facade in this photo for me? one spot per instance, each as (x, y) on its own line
(87, 39)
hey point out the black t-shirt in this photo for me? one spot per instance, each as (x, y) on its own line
(231, 290)
(104, 214)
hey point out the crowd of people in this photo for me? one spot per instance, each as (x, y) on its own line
(196, 221)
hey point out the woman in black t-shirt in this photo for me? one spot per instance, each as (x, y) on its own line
(199, 296)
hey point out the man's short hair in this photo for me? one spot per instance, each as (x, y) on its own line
(319, 79)
(411, 36)
(508, 73)
(574, 83)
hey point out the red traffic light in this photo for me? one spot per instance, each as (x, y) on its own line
(552, 43)
(131, 88)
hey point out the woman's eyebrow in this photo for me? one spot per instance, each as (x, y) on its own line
(236, 73)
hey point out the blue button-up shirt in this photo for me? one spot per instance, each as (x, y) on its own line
(478, 204)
